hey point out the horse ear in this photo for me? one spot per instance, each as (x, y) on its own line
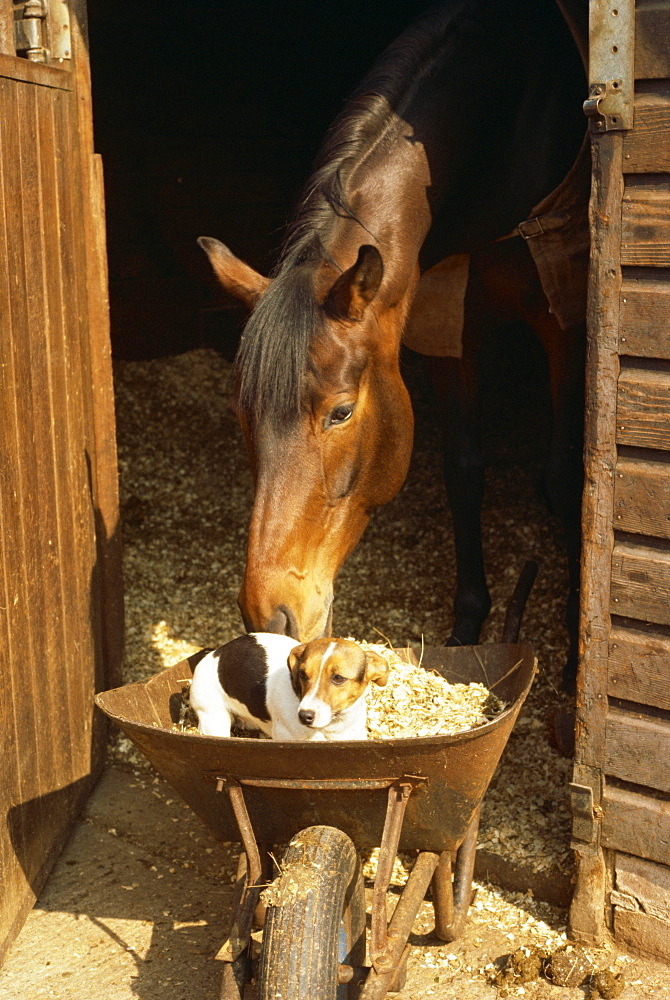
(236, 277)
(355, 289)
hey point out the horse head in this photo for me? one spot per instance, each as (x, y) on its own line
(328, 425)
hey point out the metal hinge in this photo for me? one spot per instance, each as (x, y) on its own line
(42, 30)
(29, 31)
(609, 106)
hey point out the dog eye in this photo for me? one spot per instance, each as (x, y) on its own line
(302, 675)
(338, 679)
(339, 415)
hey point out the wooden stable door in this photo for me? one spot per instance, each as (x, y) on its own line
(60, 596)
(621, 788)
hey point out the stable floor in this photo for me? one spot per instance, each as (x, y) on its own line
(138, 904)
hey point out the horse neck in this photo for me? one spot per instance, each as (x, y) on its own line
(478, 139)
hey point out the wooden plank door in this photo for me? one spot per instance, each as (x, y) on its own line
(60, 594)
(621, 789)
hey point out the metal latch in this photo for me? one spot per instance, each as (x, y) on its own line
(583, 813)
(601, 100)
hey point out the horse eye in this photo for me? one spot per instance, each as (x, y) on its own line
(340, 414)
(338, 679)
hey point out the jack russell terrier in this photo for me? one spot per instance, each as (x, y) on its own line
(288, 690)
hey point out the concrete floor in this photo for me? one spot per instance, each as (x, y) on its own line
(139, 903)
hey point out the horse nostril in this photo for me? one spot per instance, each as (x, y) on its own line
(292, 629)
(306, 716)
(283, 622)
(278, 623)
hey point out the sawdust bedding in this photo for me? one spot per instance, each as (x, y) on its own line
(417, 702)
(186, 494)
(414, 702)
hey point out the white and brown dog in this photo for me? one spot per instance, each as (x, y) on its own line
(288, 690)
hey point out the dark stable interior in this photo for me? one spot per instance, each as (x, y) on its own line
(208, 116)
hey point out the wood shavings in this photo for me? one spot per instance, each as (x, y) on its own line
(291, 884)
(402, 866)
(188, 720)
(418, 702)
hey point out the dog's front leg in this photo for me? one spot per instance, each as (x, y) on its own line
(214, 723)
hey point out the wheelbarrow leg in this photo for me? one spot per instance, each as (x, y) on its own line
(236, 965)
(235, 951)
(388, 942)
(388, 969)
(451, 900)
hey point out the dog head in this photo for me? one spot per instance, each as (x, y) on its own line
(330, 675)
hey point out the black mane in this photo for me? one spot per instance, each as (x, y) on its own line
(273, 352)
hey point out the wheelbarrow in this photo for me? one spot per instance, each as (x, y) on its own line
(306, 940)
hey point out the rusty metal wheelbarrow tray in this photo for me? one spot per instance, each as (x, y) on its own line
(288, 786)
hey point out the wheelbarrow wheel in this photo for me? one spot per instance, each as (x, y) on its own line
(316, 920)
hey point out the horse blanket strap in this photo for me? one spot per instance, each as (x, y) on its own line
(539, 225)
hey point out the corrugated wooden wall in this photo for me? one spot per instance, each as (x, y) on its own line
(60, 597)
(623, 737)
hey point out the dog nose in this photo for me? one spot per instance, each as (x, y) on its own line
(306, 716)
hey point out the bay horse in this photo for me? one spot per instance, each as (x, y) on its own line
(464, 124)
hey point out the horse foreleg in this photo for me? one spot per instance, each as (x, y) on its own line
(455, 385)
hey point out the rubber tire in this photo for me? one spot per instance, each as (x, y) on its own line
(303, 939)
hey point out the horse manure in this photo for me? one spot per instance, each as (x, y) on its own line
(606, 984)
(522, 966)
(568, 966)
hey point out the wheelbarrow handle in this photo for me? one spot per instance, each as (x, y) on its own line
(517, 602)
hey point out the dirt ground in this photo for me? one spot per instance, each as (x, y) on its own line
(139, 903)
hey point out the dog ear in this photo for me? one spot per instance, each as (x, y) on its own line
(376, 669)
(294, 656)
(293, 661)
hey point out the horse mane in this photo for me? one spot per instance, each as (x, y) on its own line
(274, 350)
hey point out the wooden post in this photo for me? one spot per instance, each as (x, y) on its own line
(104, 471)
(587, 913)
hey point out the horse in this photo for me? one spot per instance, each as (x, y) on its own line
(463, 125)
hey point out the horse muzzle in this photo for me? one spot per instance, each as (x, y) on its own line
(303, 624)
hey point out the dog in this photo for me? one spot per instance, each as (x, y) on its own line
(288, 690)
